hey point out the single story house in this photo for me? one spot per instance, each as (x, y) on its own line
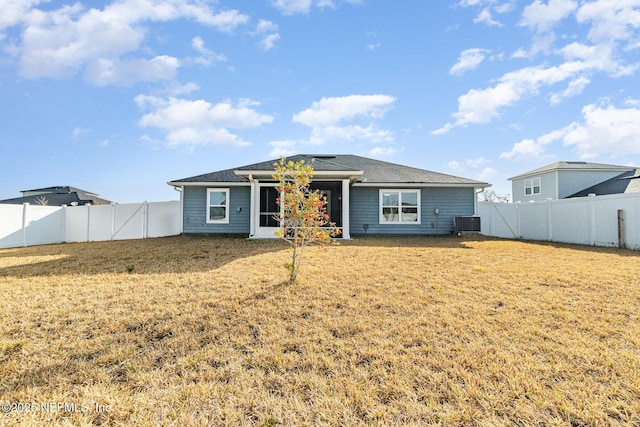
(364, 196)
(563, 179)
(57, 196)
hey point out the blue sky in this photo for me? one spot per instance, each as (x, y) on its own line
(119, 97)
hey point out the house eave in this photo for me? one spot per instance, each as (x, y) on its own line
(565, 169)
(421, 184)
(208, 184)
(268, 174)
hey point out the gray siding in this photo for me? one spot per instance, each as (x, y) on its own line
(195, 211)
(560, 184)
(451, 202)
(548, 187)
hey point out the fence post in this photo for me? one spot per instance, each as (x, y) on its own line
(518, 231)
(145, 224)
(621, 242)
(88, 221)
(549, 220)
(64, 223)
(592, 219)
(113, 220)
(24, 223)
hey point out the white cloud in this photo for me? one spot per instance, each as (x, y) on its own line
(482, 106)
(14, 11)
(72, 40)
(198, 122)
(382, 151)
(477, 162)
(455, 166)
(283, 148)
(542, 17)
(525, 150)
(269, 33)
(76, 133)
(103, 72)
(610, 19)
(207, 57)
(485, 17)
(373, 46)
(528, 149)
(322, 134)
(469, 59)
(473, 163)
(329, 111)
(269, 42)
(332, 119)
(265, 26)
(605, 131)
(293, 7)
(632, 102)
(574, 88)
(504, 7)
(486, 174)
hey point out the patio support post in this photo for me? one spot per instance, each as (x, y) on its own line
(345, 209)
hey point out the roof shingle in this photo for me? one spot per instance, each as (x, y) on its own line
(374, 171)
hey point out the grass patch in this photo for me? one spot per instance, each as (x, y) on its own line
(388, 331)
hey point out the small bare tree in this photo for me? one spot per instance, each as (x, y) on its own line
(303, 213)
(491, 196)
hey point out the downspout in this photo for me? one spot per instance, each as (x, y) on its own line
(181, 191)
(476, 191)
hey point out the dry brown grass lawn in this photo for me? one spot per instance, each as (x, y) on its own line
(379, 331)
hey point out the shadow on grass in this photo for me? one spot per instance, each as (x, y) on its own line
(187, 254)
(179, 254)
(573, 246)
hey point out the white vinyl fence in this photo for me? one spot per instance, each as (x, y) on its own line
(612, 220)
(30, 225)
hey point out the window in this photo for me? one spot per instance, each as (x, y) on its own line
(218, 206)
(400, 206)
(531, 186)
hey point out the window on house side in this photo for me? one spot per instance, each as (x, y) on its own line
(217, 205)
(400, 206)
(532, 186)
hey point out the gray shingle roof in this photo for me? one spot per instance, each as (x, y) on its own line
(374, 171)
(628, 182)
(568, 165)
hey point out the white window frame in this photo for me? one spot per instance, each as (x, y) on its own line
(399, 191)
(531, 185)
(226, 206)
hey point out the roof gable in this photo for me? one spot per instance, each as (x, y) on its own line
(573, 166)
(373, 171)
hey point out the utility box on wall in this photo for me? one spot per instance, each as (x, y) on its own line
(466, 224)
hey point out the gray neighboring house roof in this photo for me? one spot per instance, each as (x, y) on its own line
(57, 196)
(568, 165)
(369, 171)
(627, 182)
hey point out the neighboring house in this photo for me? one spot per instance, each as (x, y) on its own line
(365, 196)
(562, 179)
(627, 182)
(57, 196)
